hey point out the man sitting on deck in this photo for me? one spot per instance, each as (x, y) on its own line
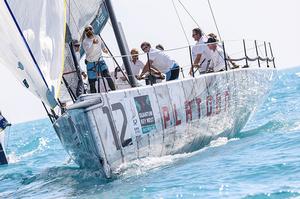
(217, 62)
(136, 64)
(159, 61)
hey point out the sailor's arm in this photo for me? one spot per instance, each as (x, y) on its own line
(145, 69)
(104, 48)
(156, 71)
(196, 63)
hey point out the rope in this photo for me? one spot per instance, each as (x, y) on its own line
(252, 59)
(212, 13)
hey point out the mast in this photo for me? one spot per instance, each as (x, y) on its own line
(120, 42)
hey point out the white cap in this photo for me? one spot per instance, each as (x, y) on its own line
(89, 26)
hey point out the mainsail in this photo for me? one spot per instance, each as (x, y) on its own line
(35, 44)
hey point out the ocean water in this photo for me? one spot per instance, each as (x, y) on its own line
(263, 161)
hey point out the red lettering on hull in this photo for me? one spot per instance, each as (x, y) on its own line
(209, 101)
(188, 111)
(166, 116)
(177, 121)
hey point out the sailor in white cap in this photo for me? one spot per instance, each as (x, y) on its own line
(93, 47)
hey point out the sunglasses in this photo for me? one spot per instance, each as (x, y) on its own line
(144, 48)
(88, 29)
(194, 34)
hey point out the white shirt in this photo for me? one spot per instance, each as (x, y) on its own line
(201, 48)
(136, 67)
(217, 60)
(93, 51)
(160, 60)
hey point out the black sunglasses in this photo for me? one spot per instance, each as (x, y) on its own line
(88, 29)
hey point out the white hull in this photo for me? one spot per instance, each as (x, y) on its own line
(105, 130)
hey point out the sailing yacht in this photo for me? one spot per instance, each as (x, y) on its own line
(104, 130)
(3, 124)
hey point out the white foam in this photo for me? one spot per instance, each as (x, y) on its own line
(218, 142)
(12, 158)
(42, 145)
(296, 127)
(221, 141)
(142, 166)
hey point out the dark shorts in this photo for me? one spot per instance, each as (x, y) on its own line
(173, 73)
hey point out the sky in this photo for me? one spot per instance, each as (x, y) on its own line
(156, 21)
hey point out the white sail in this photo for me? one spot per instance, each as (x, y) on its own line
(32, 39)
(81, 13)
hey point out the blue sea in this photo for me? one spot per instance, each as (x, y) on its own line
(263, 161)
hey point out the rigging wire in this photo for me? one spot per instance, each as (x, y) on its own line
(189, 13)
(181, 24)
(80, 13)
(214, 18)
(212, 13)
(72, 16)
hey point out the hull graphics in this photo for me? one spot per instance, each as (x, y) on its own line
(106, 130)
